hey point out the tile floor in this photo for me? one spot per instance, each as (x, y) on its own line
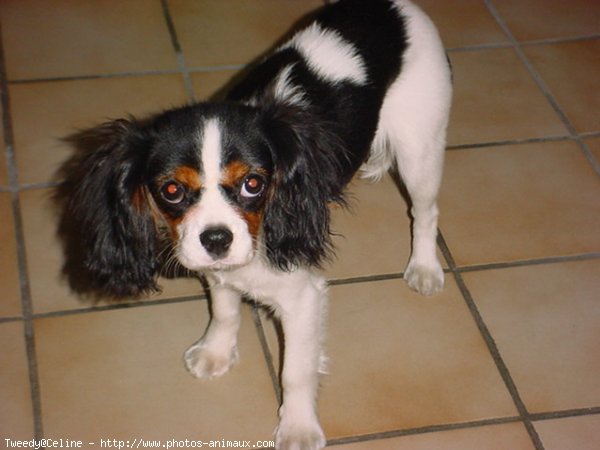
(506, 357)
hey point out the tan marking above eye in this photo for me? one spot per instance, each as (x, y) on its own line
(188, 176)
(234, 172)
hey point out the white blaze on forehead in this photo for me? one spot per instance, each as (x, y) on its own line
(329, 55)
(212, 210)
(211, 154)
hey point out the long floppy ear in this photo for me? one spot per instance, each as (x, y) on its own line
(106, 219)
(308, 159)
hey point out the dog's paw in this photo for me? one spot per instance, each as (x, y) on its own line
(424, 279)
(299, 437)
(203, 362)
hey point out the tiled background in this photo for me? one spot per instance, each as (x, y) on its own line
(506, 357)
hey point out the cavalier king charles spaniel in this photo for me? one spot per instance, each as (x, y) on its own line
(241, 189)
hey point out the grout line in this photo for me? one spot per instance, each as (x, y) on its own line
(491, 344)
(422, 430)
(118, 306)
(473, 268)
(218, 68)
(479, 47)
(24, 286)
(529, 43)
(595, 410)
(563, 40)
(93, 76)
(177, 47)
(40, 185)
(364, 279)
(529, 262)
(143, 73)
(463, 425)
(518, 47)
(534, 140)
(267, 352)
(589, 134)
(10, 319)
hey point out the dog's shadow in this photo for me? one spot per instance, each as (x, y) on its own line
(82, 143)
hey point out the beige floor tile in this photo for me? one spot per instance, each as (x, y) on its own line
(45, 113)
(373, 235)
(233, 32)
(10, 306)
(570, 71)
(3, 170)
(3, 173)
(543, 19)
(4, 180)
(49, 288)
(208, 84)
(496, 437)
(463, 22)
(594, 146)
(519, 202)
(84, 38)
(120, 375)
(16, 415)
(581, 433)
(495, 99)
(399, 360)
(546, 322)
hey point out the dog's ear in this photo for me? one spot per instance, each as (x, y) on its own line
(106, 222)
(307, 159)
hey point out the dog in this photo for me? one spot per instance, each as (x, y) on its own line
(241, 188)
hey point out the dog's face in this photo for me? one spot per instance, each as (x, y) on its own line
(211, 189)
(222, 183)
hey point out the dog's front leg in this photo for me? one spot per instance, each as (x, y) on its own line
(302, 320)
(217, 351)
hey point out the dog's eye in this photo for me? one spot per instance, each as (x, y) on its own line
(253, 186)
(172, 192)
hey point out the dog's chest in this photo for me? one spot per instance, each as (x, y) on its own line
(255, 280)
(261, 282)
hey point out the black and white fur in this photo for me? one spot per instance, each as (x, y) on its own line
(241, 188)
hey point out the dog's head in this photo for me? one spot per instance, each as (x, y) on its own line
(222, 183)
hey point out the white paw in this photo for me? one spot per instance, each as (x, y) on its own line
(203, 362)
(424, 279)
(299, 437)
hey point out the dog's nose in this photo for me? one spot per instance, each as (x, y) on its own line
(216, 241)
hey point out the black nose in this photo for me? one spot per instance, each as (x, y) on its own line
(216, 241)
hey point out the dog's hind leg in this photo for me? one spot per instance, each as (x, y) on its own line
(422, 177)
(412, 130)
(419, 145)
